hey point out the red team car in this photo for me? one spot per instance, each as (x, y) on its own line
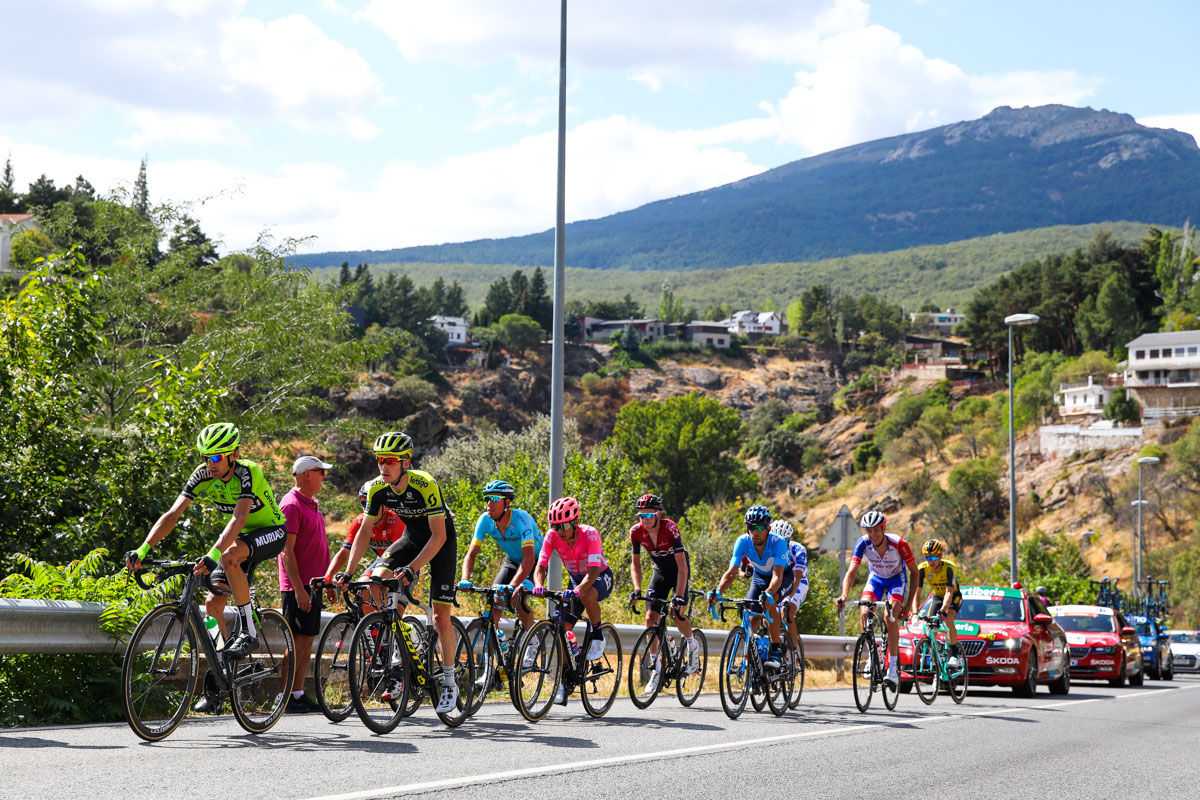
(1104, 646)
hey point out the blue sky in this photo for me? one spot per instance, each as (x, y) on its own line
(386, 123)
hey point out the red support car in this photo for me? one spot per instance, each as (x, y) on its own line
(1104, 646)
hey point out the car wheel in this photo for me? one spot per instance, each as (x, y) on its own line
(1120, 679)
(906, 687)
(1168, 671)
(1138, 678)
(1062, 684)
(1028, 688)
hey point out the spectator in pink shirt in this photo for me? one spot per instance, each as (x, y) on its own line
(304, 557)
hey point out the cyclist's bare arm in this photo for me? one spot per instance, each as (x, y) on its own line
(237, 521)
(681, 566)
(727, 578)
(848, 583)
(528, 559)
(361, 542)
(468, 565)
(635, 571)
(164, 525)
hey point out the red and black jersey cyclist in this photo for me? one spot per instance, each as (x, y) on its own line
(255, 531)
(669, 578)
(429, 540)
(893, 574)
(387, 531)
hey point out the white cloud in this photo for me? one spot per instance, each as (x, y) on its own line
(500, 108)
(651, 79)
(1186, 123)
(180, 127)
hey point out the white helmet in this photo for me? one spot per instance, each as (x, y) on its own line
(783, 528)
(872, 519)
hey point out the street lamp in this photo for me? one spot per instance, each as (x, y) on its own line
(1137, 551)
(1084, 536)
(1012, 321)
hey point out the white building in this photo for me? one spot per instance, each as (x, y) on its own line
(648, 330)
(756, 323)
(1163, 374)
(709, 334)
(455, 328)
(1085, 398)
(942, 320)
(10, 226)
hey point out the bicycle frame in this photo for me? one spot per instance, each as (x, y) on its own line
(673, 666)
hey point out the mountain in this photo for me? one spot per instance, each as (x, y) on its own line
(1011, 170)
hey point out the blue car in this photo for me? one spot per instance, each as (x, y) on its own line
(1156, 647)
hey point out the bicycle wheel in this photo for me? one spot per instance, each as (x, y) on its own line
(796, 664)
(464, 673)
(925, 669)
(779, 686)
(331, 668)
(645, 680)
(890, 693)
(262, 681)
(602, 676)
(959, 679)
(734, 673)
(863, 672)
(688, 686)
(487, 662)
(158, 675)
(378, 665)
(533, 687)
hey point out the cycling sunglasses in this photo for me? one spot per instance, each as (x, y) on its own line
(560, 526)
(758, 527)
(494, 498)
(388, 461)
(933, 558)
(644, 515)
(216, 457)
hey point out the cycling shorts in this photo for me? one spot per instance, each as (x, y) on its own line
(662, 585)
(935, 604)
(797, 597)
(604, 585)
(442, 568)
(508, 571)
(759, 584)
(263, 543)
(878, 588)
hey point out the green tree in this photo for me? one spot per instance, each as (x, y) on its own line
(498, 302)
(518, 333)
(191, 244)
(518, 286)
(683, 446)
(44, 195)
(141, 193)
(28, 246)
(670, 308)
(962, 511)
(538, 304)
(344, 276)
(1122, 408)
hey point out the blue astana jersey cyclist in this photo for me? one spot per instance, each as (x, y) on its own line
(521, 531)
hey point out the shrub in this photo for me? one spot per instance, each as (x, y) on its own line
(866, 458)
(1122, 408)
(831, 473)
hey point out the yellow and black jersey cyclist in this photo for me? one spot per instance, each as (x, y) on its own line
(429, 540)
(255, 531)
(941, 575)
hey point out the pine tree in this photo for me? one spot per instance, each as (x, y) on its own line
(519, 286)
(9, 201)
(141, 194)
(344, 276)
(538, 304)
(455, 304)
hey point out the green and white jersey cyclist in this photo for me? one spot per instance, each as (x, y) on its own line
(255, 531)
(429, 540)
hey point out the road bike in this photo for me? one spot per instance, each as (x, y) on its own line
(871, 659)
(161, 665)
(931, 664)
(742, 671)
(554, 665)
(493, 658)
(394, 665)
(331, 662)
(656, 654)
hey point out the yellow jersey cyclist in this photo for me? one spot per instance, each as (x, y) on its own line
(942, 576)
(255, 531)
(518, 537)
(429, 540)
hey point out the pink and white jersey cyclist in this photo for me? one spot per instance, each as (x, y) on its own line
(584, 552)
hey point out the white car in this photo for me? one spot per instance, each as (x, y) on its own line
(1186, 647)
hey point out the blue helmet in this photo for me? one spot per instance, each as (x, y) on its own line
(758, 515)
(362, 492)
(502, 488)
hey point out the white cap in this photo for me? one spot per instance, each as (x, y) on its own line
(305, 463)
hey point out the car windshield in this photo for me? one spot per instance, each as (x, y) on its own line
(1087, 623)
(993, 609)
(1144, 629)
(1185, 638)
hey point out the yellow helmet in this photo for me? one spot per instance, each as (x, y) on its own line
(933, 549)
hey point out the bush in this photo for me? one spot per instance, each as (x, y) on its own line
(866, 458)
(812, 457)
(831, 473)
(414, 391)
(1122, 408)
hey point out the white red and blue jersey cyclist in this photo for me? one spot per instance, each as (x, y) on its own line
(888, 574)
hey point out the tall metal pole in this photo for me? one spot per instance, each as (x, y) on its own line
(558, 350)
(1137, 540)
(1012, 467)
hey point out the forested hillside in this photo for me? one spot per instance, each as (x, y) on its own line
(1011, 170)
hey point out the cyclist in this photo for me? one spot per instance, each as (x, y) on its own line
(767, 556)
(255, 531)
(670, 576)
(514, 530)
(892, 570)
(943, 588)
(591, 578)
(387, 531)
(429, 539)
(798, 564)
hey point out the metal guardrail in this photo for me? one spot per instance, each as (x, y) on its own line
(68, 627)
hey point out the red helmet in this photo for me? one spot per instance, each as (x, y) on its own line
(649, 501)
(564, 509)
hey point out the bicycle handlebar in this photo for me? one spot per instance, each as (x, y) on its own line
(171, 569)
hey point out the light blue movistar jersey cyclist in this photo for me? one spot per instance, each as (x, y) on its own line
(520, 531)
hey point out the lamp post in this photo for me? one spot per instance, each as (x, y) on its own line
(1137, 542)
(1084, 537)
(1012, 321)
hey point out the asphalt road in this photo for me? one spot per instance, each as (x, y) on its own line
(1097, 740)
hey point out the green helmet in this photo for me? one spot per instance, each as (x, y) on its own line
(220, 437)
(393, 443)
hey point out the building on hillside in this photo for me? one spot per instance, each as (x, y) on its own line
(586, 324)
(455, 328)
(756, 324)
(1084, 399)
(1066, 440)
(702, 332)
(10, 226)
(1163, 374)
(940, 320)
(648, 330)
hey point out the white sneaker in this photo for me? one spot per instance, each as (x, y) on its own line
(893, 675)
(560, 697)
(655, 679)
(693, 663)
(595, 649)
(954, 664)
(531, 652)
(393, 691)
(447, 699)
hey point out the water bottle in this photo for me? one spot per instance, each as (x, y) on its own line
(214, 633)
(503, 642)
(572, 643)
(764, 645)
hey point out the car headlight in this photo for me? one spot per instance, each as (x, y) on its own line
(905, 641)
(1147, 648)
(1104, 651)
(1012, 645)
